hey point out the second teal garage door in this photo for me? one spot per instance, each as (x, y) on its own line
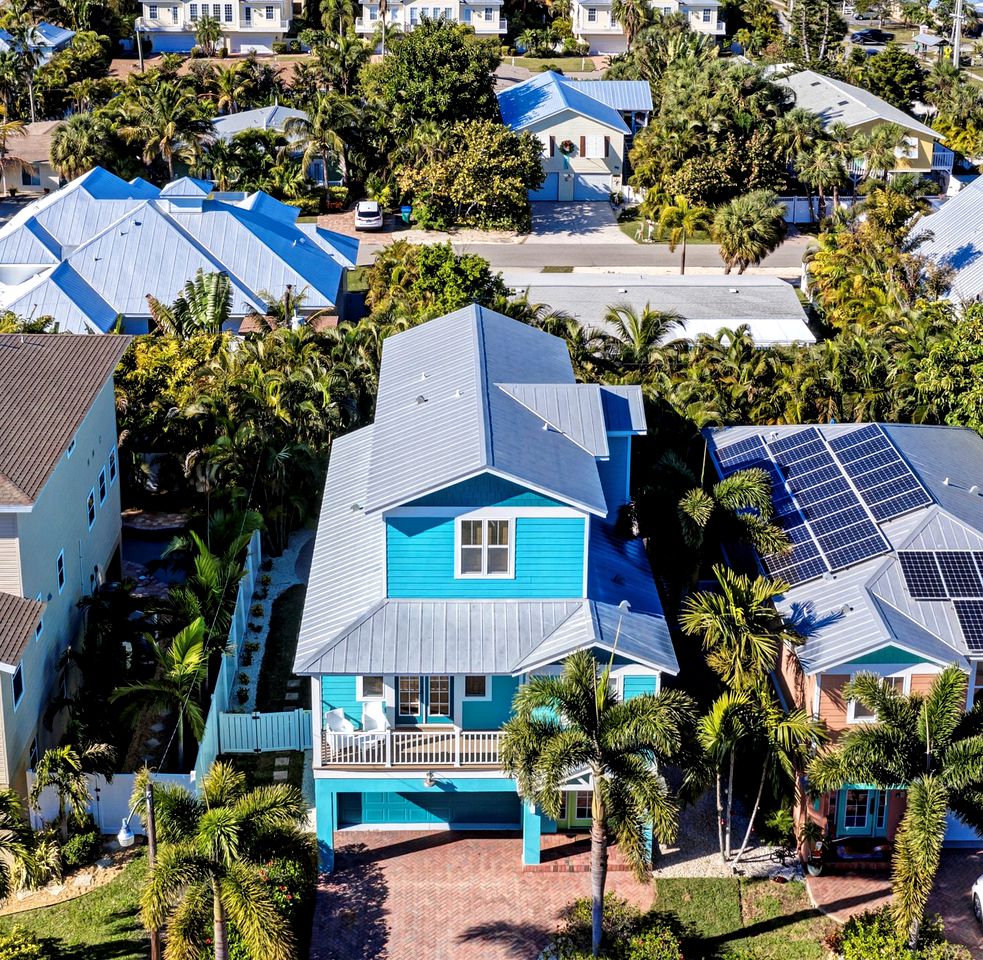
(459, 809)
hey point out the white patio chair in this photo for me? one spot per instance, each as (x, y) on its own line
(339, 730)
(375, 727)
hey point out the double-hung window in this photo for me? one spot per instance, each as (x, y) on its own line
(247, 14)
(858, 712)
(269, 13)
(592, 14)
(227, 13)
(151, 15)
(484, 548)
(39, 629)
(18, 684)
(193, 11)
(174, 15)
(90, 508)
(60, 571)
(414, 15)
(102, 486)
(112, 466)
(707, 16)
(489, 13)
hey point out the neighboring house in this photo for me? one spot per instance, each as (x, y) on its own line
(861, 111)
(248, 26)
(474, 534)
(955, 241)
(46, 40)
(35, 148)
(886, 572)
(485, 17)
(769, 306)
(91, 252)
(585, 127)
(593, 23)
(59, 519)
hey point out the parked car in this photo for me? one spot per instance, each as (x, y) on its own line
(977, 894)
(368, 215)
(871, 35)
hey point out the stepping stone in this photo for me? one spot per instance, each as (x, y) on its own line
(280, 775)
(157, 728)
(83, 880)
(104, 862)
(292, 696)
(54, 889)
(281, 762)
(153, 743)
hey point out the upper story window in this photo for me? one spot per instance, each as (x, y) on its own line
(484, 548)
(594, 147)
(71, 446)
(414, 14)
(39, 629)
(489, 13)
(227, 12)
(216, 10)
(858, 712)
(152, 11)
(706, 16)
(448, 13)
(193, 11)
(90, 508)
(18, 684)
(247, 15)
(592, 14)
(476, 687)
(112, 466)
(174, 15)
(60, 571)
(269, 13)
(102, 486)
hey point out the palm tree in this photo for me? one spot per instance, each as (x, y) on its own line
(8, 129)
(320, 133)
(80, 143)
(575, 723)
(878, 150)
(748, 229)
(823, 169)
(213, 846)
(636, 337)
(230, 86)
(679, 219)
(11, 77)
(341, 59)
(204, 306)
(927, 743)
(29, 56)
(742, 631)
(797, 132)
(181, 667)
(633, 15)
(64, 769)
(208, 32)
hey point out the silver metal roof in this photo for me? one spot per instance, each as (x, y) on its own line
(956, 240)
(623, 95)
(262, 118)
(864, 607)
(442, 416)
(835, 101)
(768, 305)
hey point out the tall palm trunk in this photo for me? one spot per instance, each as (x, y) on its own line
(598, 870)
(682, 259)
(180, 738)
(720, 819)
(730, 805)
(822, 203)
(220, 925)
(754, 809)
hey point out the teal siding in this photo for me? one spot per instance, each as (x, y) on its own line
(490, 714)
(636, 686)
(889, 655)
(340, 692)
(549, 560)
(485, 490)
(431, 807)
(614, 473)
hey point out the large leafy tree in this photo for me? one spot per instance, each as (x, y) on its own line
(213, 846)
(894, 75)
(742, 631)
(575, 723)
(437, 71)
(929, 744)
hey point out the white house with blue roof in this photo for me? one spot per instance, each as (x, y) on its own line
(90, 253)
(585, 127)
(44, 40)
(885, 572)
(471, 536)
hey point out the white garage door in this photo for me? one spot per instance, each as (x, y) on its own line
(550, 189)
(592, 186)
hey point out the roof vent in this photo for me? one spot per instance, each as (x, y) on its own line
(845, 609)
(733, 290)
(947, 482)
(842, 103)
(423, 375)
(356, 507)
(623, 290)
(458, 394)
(815, 83)
(975, 489)
(421, 400)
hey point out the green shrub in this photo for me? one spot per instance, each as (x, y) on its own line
(622, 920)
(872, 936)
(310, 205)
(242, 695)
(543, 67)
(293, 46)
(222, 53)
(629, 214)
(656, 943)
(80, 850)
(18, 944)
(338, 196)
(279, 46)
(256, 610)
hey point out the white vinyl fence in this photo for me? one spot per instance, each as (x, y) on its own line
(797, 208)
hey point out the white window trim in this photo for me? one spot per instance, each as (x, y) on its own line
(459, 574)
(39, 629)
(64, 572)
(23, 685)
(851, 706)
(102, 485)
(360, 694)
(113, 464)
(473, 699)
(91, 523)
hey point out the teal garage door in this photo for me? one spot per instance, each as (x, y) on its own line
(592, 186)
(459, 809)
(550, 189)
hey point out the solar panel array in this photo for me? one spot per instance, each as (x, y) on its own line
(955, 575)
(970, 614)
(829, 495)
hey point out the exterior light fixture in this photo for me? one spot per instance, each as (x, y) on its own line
(429, 780)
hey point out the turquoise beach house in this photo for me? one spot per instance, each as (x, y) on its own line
(473, 535)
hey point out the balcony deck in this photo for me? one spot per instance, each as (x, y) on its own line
(409, 749)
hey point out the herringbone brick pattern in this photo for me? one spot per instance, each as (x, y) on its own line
(445, 896)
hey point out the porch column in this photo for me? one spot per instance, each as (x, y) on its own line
(326, 807)
(532, 831)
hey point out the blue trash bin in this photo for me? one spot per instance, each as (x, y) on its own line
(405, 212)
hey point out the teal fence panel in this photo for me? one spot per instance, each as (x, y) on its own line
(265, 732)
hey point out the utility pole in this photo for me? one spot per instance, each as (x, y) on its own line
(137, 24)
(957, 32)
(148, 795)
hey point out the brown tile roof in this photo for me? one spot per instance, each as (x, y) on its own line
(35, 145)
(49, 382)
(18, 618)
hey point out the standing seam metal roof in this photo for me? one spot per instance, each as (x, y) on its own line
(547, 95)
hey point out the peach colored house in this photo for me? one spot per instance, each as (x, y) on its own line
(885, 574)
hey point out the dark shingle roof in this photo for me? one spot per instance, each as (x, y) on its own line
(49, 383)
(18, 618)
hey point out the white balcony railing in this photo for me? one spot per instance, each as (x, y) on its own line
(411, 748)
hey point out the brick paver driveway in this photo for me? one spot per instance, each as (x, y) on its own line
(443, 896)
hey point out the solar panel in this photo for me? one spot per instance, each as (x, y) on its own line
(959, 573)
(790, 441)
(745, 452)
(921, 575)
(970, 614)
(845, 440)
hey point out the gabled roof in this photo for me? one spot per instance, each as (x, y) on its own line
(50, 35)
(835, 101)
(442, 416)
(621, 95)
(866, 606)
(18, 619)
(262, 118)
(49, 383)
(955, 241)
(547, 95)
(186, 187)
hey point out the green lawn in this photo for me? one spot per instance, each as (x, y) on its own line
(566, 64)
(281, 645)
(768, 920)
(102, 925)
(357, 280)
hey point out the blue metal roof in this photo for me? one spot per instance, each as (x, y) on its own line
(548, 95)
(623, 95)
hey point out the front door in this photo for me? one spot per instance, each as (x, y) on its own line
(409, 700)
(862, 813)
(577, 810)
(424, 699)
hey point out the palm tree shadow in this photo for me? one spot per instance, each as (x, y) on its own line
(807, 620)
(520, 939)
(714, 948)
